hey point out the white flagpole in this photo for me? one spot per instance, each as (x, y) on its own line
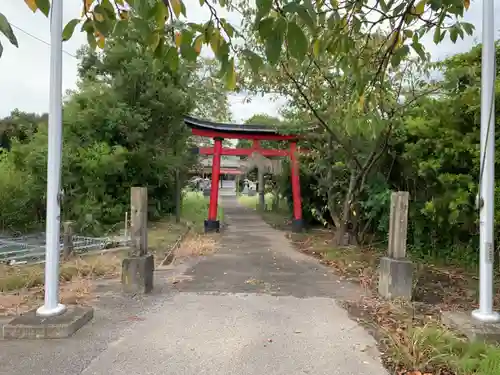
(51, 306)
(486, 200)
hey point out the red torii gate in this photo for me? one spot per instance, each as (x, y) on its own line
(256, 133)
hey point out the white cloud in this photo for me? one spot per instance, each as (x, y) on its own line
(24, 78)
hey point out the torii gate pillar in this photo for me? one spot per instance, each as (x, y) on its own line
(212, 224)
(297, 223)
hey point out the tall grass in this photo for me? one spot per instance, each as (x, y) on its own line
(195, 209)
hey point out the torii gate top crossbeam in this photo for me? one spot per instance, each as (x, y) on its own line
(235, 131)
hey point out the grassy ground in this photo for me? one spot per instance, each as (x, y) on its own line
(195, 209)
(21, 287)
(411, 336)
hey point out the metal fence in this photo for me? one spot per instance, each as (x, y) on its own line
(31, 248)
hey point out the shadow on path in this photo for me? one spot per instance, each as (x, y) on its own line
(255, 258)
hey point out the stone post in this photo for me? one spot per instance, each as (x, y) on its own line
(262, 198)
(398, 225)
(396, 271)
(68, 245)
(139, 220)
(138, 267)
(178, 196)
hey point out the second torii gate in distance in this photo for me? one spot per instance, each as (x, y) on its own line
(218, 132)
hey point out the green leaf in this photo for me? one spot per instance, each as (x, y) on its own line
(188, 52)
(172, 58)
(468, 27)
(266, 28)
(453, 34)
(176, 7)
(6, 30)
(120, 27)
(1, 49)
(141, 25)
(44, 6)
(437, 35)
(108, 8)
(399, 55)
(69, 29)
(254, 60)
(297, 41)
(273, 47)
(263, 8)
(383, 6)
(91, 40)
(408, 33)
(316, 47)
(228, 28)
(160, 13)
(183, 9)
(400, 8)
(417, 47)
(302, 12)
(160, 48)
(443, 34)
(223, 51)
(154, 40)
(356, 24)
(231, 76)
(420, 7)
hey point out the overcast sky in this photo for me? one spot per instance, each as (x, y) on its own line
(24, 79)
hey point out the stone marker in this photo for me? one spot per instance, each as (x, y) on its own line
(68, 245)
(31, 326)
(396, 272)
(138, 267)
(262, 196)
(137, 274)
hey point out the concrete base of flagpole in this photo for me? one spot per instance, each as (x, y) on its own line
(31, 325)
(45, 313)
(473, 329)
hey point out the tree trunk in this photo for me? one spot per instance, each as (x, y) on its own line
(344, 235)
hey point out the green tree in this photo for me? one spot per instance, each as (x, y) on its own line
(266, 121)
(19, 125)
(437, 160)
(123, 127)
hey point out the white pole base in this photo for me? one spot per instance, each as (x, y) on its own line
(46, 313)
(486, 317)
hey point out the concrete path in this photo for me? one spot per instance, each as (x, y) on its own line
(255, 307)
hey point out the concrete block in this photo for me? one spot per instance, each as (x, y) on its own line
(395, 278)
(137, 274)
(31, 326)
(206, 192)
(473, 329)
